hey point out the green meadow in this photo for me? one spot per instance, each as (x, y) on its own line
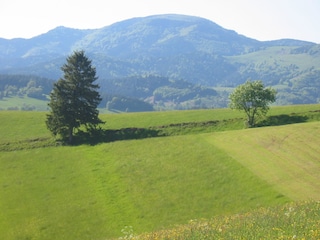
(23, 103)
(99, 191)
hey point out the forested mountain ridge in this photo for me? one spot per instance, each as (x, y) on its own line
(172, 46)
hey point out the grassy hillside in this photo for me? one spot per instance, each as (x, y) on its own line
(19, 126)
(276, 56)
(23, 103)
(16, 136)
(293, 72)
(287, 157)
(93, 192)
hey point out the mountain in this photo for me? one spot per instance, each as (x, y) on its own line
(178, 47)
(134, 42)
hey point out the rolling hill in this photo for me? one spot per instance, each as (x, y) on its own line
(95, 191)
(176, 47)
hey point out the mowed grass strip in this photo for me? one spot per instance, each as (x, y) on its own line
(287, 157)
(92, 192)
(57, 193)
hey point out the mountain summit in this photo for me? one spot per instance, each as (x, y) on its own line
(165, 35)
(154, 35)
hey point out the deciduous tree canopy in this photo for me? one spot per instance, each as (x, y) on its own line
(253, 98)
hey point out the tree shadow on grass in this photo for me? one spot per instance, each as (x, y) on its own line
(282, 119)
(95, 136)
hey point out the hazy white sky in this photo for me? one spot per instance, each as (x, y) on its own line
(259, 19)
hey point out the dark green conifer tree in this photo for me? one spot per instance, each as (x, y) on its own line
(74, 98)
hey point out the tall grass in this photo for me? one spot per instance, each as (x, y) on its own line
(292, 221)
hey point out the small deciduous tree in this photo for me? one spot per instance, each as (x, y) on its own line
(74, 98)
(252, 98)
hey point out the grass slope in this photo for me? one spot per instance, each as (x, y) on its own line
(282, 54)
(92, 192)
(287, 157)
(16, 125)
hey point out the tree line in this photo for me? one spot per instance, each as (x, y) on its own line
(25, 85)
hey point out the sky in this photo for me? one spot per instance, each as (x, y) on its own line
(259, 19)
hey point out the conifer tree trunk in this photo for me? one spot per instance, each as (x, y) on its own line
(70, 135)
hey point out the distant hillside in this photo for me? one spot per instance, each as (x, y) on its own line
(177, 47)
